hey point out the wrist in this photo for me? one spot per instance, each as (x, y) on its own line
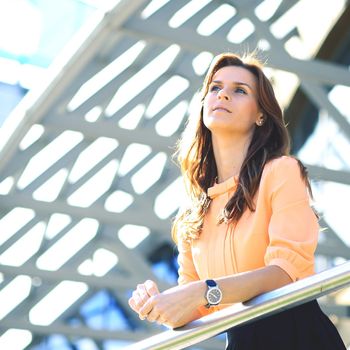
(201, 289)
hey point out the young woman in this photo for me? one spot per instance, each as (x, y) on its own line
(249, 228)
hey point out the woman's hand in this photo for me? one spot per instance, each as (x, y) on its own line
(175, 306)
(141, 295)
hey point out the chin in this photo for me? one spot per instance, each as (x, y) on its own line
(214, 124)
(210, 122)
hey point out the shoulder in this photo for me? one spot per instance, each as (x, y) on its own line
(285, 182)
(282, 169)
(283, 164)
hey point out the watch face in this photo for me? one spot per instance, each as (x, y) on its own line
(214, 296)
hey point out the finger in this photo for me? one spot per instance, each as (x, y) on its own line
(137, 301)
(152, 316)
(151, 287)
(147, 308)
(142, 317)
(161, 320)
(132, 304)
(142, 293)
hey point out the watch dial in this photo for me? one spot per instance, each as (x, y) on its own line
(214, 296)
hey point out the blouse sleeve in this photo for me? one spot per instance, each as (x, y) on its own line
(293, 229)
(187, 271)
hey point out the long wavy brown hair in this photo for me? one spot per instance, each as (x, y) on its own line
(196, 157)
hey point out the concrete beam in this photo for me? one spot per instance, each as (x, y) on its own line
(136, 217)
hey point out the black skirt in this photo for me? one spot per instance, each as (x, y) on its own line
(304, 327)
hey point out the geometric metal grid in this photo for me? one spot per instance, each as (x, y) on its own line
(87, 183)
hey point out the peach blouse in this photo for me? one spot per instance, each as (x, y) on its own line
(282, 231)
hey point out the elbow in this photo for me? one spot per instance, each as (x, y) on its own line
(280, 277)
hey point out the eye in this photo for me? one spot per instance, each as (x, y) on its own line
(214, 88)
(240, 91)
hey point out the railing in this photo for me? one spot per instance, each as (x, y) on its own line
(261, 306)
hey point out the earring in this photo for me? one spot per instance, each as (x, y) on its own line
(260, 122)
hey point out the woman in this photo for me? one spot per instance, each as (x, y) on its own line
(249, 228)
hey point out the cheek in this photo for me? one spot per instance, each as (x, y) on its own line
(205, 113)
(206, 105)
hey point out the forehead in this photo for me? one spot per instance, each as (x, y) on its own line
(235, 74)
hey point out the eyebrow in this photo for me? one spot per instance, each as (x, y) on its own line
(233, 83)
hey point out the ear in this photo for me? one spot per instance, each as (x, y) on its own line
(259, 116)
(260, 121)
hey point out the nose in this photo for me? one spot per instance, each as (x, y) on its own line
(222, 94)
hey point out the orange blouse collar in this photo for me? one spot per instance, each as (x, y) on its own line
(223, 187)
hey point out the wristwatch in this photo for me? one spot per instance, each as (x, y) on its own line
(213, 294)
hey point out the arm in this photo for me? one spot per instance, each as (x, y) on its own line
(179, 305)
(247, 285)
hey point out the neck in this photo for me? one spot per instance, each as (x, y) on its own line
(229, 153)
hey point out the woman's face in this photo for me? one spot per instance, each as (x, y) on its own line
(230, 105)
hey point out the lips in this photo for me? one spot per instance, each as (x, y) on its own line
(221, 108)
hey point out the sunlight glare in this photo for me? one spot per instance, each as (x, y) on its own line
(15, 339)
(132, 235)
(58, 300)
(13, 294)
(68, 245)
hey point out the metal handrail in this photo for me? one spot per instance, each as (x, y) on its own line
(259, 307)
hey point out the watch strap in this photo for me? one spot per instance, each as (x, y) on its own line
(211, 283)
